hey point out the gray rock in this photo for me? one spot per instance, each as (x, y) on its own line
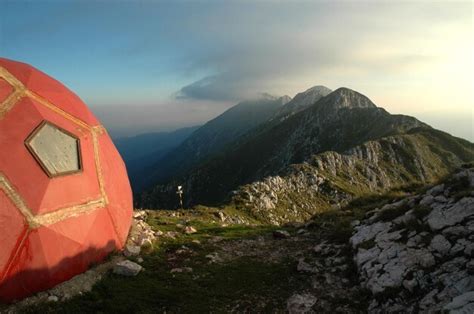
(404, 219)
(355, 223)
(429, 299)
(470, 267)
(469, 250)
(53, 298)
(364, 256)
(465, 309)
(385, 239)
(455, 231)
(127, 268)
(214, 257)
(460, 301)
(305, 267)
(451, 215)
(131, 250)
(426, 259)
(440, 244)
(300, 303)
(414, 241)
(427, 200)
(438, 189)
(459, 247)
(369, 232)
(281, 234)
(410, 285)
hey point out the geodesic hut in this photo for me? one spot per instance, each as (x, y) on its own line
(65, 198)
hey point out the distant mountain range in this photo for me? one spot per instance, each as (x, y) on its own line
(143, 151)
(230, 158)
(211, 139)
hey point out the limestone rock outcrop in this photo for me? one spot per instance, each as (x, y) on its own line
(421, 258)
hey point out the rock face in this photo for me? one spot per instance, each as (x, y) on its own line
(331, 179)
(141, 234)
(417, 253)
(302, 101)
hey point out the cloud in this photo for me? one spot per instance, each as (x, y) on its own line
(209, 87)
(285, 48)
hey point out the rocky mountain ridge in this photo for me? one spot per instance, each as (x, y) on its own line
(331, 179)
(338, 122)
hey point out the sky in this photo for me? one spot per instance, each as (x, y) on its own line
(147, 66)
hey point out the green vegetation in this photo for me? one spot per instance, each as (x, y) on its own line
(240, 284)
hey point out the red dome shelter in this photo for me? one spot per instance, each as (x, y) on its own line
(65, 198)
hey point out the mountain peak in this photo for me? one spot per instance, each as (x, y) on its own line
(266, 96)
(311, 95)
(302, 100)
(285, 99)
(344, 97)
(317, 89)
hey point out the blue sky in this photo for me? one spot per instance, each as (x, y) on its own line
(159, 65)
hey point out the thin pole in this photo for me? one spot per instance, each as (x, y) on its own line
(180, 193)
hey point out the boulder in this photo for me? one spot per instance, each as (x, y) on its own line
(368, 232)
(189, 230)
(459, 302)
(427, 200)
(452, 214)
(438, 189)
(300, 303)
(127, 268)
(281, 234)
(131, 250)
(440, 244)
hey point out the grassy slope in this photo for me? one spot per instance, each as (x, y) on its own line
(247, 283)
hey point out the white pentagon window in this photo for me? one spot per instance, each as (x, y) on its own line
(56, 150)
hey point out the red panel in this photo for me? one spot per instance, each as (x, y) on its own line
(12, 226)
(118, 191)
